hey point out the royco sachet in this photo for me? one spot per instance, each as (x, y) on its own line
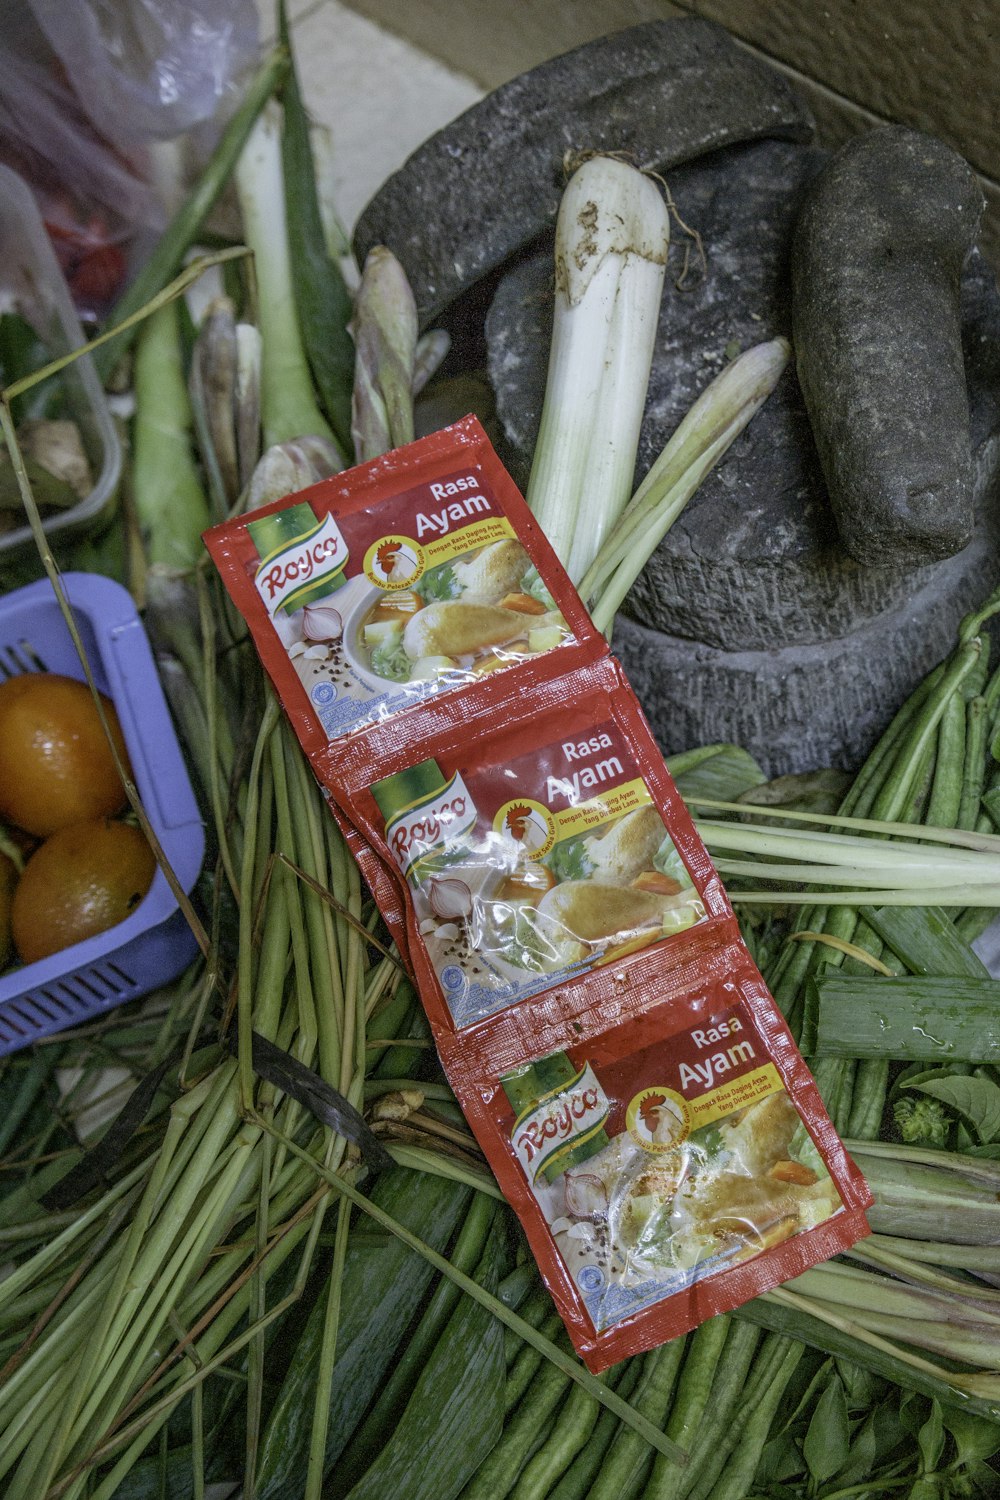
(615, 1050)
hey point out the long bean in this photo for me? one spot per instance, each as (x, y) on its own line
(704, 1348)
(765, 1370)
(727, 1394)
(572, 1428)
(497, 1475)
(586, 1466)
(629, 1458)
(737, 1477)
(525, 1366)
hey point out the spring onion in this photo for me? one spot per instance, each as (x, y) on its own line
(182, 232)
(612, 238)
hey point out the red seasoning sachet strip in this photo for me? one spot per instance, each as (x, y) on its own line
(616, 1052)
(614, 1048)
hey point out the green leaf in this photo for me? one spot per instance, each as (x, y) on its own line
(984, 1478)
(719, 772)
(860, 1385)
(568, 859)
(913, 1409)
(438, 583)
(977, 1100)
(930, 1439)
(455, 1414)
(668, 861)
(533, 585)
(975, 1437)
(322, 299)
(827, 1442)
(781, 1459)
(820, 1377)
(863, 1457)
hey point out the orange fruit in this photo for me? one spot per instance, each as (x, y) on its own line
(56, 766)
(81, 881)
(8, 880)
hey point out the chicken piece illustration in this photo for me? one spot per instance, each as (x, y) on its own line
(627, 848)
(495, 572)
(732, 1207)
(761, 1135)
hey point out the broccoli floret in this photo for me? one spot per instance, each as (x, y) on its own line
(921, 1122)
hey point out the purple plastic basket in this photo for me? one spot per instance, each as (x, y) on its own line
(155, 943)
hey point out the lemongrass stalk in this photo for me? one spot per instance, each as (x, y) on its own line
(874, 877)
(312, 825)
(612, 239)
(982, 1385)
(328, 1352)
(288, 467)
(961, 838)
(979, 1259)
(224, 385)
(866, 1291)
(924, 1273)
(430, 353)
(384, 329)
(169, 501)
(705, 434)
(182, 232)
(288, 406)
(844, 849)
(305, 1002)
(210, 1355)
(985, 895)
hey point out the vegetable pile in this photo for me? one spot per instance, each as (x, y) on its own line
(282, 1264)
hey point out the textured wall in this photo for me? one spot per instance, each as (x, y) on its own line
(930, 65)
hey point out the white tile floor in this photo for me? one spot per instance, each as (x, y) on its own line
(380, 96)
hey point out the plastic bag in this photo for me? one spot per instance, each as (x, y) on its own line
(86, 87)
(151, 69)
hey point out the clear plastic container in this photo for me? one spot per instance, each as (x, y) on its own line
(32, 284)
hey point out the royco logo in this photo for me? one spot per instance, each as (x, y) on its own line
(420, 829)
(293, 569)
(549, 1136)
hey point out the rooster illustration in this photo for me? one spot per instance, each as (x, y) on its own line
(517, 821)
(387, 556)
(661, 1118)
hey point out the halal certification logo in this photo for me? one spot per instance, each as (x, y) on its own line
(658, 1119)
